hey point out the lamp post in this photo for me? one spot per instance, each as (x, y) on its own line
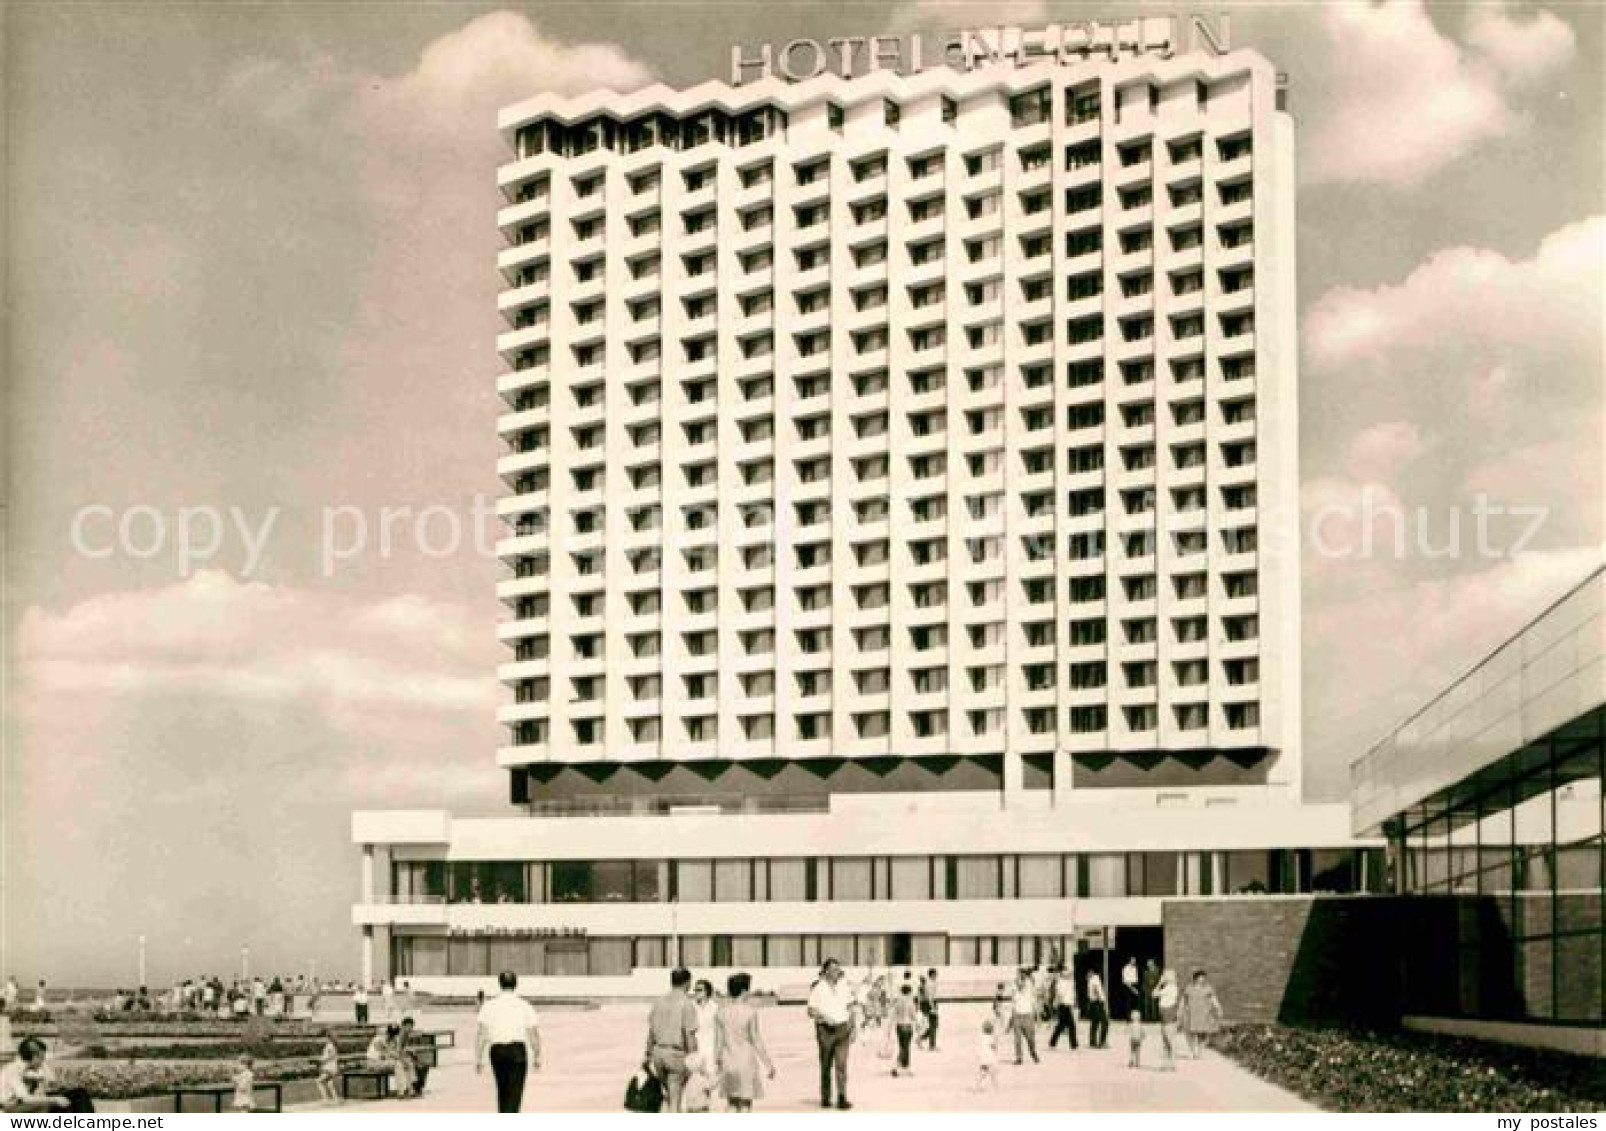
(142, 982)
(245, 963)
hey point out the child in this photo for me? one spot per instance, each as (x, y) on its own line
(986, 1059)
(244, 1086)
(1134, 1037)
(329, 1069)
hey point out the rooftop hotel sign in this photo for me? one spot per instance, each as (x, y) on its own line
(1075, 41)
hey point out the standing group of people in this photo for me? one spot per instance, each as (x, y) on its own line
(705, 1052)
(1156, 998)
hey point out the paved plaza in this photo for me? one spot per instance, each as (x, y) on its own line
(588, 1056)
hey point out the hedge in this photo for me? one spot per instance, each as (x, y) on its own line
(1353, 1071)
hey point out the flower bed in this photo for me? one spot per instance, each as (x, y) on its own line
(120, 1080)
(1348, 1070)
(220, 1050)
(155, 1026)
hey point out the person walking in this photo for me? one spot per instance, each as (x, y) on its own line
(1167, 1000)
(507, 1033)
(672, 1037)
(359, 1003)
(1098, 1012)
(1201, 1013)
(1025, 1018)
(739, 1046)
(831, 1008)
(1150, 981)
(387, 1002)
(8, 1002)
(905, 1015)
(1131, 992)
(702, 1071)
(928, 1006)
(1064, 1008)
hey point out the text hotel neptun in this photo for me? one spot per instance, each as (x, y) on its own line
(1065, 43)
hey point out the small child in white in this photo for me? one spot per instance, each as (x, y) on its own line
(986, 1059)
(1134, 1037)
(244, 1080)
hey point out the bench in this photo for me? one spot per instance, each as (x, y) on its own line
(377, 1077)
(215, 1094)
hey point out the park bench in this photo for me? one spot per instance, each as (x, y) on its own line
(215, 1095)
(375, 1081)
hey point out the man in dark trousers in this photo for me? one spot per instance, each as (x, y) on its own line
(831, 1009)
(507, 1032)
(928, 1006)
(1064, 1007)
(1151, 979)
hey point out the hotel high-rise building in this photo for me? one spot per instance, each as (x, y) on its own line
(902, 489)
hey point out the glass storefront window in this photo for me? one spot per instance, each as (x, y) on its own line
(785, 950)
(911, 877)
(733, 881)
(694, 881)
(652, 951)
(612, 881)
(789, 881)
(976, 877)
(1105, 875)
(1040, 877)
(850, 879)
(1248, 872)
(609, 956)
(696, 950)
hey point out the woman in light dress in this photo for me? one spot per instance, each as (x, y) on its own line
(1201, 1013)
(740, 1046)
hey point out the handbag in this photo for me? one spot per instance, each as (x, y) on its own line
(645, 1092)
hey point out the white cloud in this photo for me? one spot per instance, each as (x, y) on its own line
(1471, 296)
(463, 78)
(1522, 51)
(1383, 449)
(1401, 100)
(212, 635)
(919, 15)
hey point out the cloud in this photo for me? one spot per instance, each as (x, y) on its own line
(920, 15)
(462, 78)
(1472, 296)
(1399, 100)
(1521, 51)
(212, 635)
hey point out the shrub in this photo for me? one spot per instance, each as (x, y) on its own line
(120, 1080)
(1352, 1070)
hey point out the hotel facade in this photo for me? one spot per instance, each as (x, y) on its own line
(902, 563)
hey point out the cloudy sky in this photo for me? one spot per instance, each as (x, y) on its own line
(250, 268)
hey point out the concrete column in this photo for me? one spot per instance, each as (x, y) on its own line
(367, 873)
(367, 956)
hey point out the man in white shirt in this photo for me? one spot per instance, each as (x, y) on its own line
(831, 1008)
(1064, 1007)
(507, 1031)
(359, 1003)
(1025, 1019)
(1098, 1011)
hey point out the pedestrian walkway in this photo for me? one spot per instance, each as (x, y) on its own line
(588, 1056)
